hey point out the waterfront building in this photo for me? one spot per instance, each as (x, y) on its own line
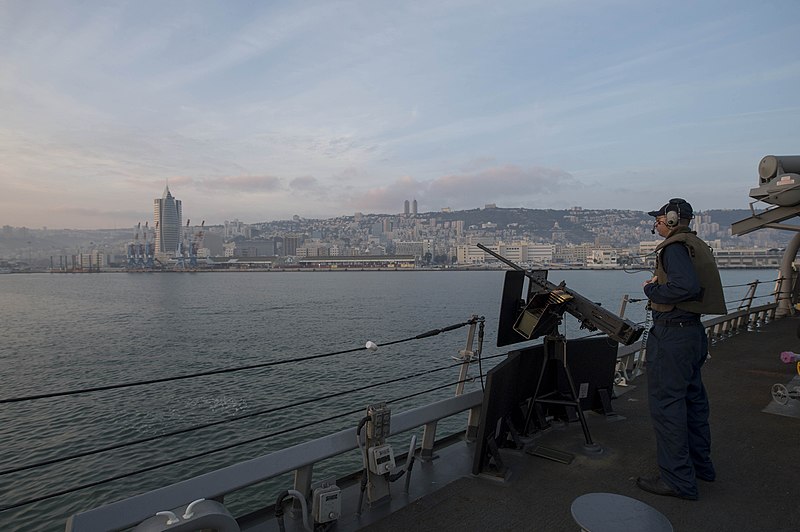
(604, 257)
(91, 261)
(359, 262)
(214, 243)
(239, 263)
(255, 248)
(313, 248)
(748, 258)
(167, 215)
(518, 252)
(290, 244)
(415, 249)
(540, 254)
(572, 255)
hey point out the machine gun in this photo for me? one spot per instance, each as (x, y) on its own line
(546, 303)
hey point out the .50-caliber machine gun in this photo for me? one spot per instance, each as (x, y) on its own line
(541, 312)
(511, 402)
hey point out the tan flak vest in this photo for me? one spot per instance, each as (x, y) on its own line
(712, 299)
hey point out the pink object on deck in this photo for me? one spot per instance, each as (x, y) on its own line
(788, 357)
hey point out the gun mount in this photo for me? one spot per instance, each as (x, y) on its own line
(541, 312)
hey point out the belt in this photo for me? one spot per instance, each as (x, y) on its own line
(677, 323)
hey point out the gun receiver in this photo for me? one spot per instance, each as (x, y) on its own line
(591, 315)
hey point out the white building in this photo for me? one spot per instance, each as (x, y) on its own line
(523, 253)
(603, 258)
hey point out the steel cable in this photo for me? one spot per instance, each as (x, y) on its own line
(212, 451)
(220, 422)
(426, 334)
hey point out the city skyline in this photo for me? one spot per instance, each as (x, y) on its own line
(263, 111)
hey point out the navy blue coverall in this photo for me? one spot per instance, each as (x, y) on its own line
(677, 347)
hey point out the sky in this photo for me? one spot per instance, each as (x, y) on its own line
(262, 110)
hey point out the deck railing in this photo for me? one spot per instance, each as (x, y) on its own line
(299, 459)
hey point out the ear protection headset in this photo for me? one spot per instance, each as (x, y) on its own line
(672, 216)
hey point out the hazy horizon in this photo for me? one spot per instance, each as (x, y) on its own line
(262, 111)
(278, 220)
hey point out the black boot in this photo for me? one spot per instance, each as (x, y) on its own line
(659, 487)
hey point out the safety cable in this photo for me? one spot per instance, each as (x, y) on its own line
(215, 423)
(743, 299)
(750, 283)
(426, 334)
(641, 299)
(163, 464)
(212, 451)
(770, 294)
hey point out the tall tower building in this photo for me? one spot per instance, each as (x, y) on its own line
(167, 215)
(414, 207)
(405, 208)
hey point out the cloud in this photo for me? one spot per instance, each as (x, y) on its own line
(261, 109)
(304, 183)
(509, 185)
(387, 198)
(264, 183)
(97, 213)
(494, 184)
(246, 183)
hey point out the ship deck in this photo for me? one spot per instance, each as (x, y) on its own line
(755, 454)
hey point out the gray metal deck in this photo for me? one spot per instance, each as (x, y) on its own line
(757, 456)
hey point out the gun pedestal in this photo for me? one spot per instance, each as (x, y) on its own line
(535, 311)
(555, 358)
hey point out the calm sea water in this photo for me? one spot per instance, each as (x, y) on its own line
(63, 332)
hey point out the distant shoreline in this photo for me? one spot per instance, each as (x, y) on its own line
(335, 270)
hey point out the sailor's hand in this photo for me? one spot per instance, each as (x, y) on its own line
(647, 282)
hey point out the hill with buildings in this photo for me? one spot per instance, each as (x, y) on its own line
(434, 237)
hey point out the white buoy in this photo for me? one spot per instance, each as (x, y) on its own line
(372, 346)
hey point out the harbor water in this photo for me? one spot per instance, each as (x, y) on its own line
(62, 332)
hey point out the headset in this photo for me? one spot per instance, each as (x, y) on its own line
(672, 217)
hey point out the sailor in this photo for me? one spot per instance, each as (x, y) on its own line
(686, 284)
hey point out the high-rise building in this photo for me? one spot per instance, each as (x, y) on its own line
(290, 245)
(414, 207)
(167, 215)
(405, 207)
